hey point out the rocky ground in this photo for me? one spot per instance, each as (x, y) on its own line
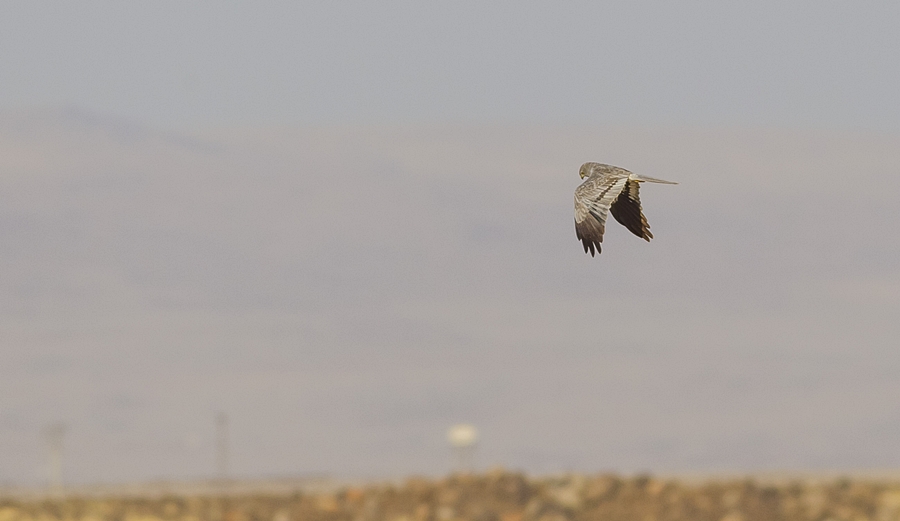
(499, 496)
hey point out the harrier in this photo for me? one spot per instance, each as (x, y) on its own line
(609, 189)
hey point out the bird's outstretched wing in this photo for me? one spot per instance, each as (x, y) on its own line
(627, 210)
(593, 199)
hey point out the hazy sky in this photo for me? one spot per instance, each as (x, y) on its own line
(350, 227)
(172, 63)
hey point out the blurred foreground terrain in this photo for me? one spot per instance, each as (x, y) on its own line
(499, 496)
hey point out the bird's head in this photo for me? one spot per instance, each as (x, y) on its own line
(585, 170)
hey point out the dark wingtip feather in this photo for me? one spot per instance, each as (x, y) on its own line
(589, 247)
(590, 233)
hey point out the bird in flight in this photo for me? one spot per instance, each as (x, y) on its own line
(609, 189)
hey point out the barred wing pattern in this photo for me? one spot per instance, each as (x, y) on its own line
(592, 202)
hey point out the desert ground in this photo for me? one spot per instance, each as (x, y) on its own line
(495, 496)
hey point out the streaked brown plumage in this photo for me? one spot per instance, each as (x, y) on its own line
(609, 189)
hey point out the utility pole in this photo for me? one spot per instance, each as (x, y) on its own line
(222, 446)
(54, 435)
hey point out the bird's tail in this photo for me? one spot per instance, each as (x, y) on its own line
(642, 178)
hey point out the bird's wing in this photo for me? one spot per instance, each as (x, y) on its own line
(627, 210)
(593, 199)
